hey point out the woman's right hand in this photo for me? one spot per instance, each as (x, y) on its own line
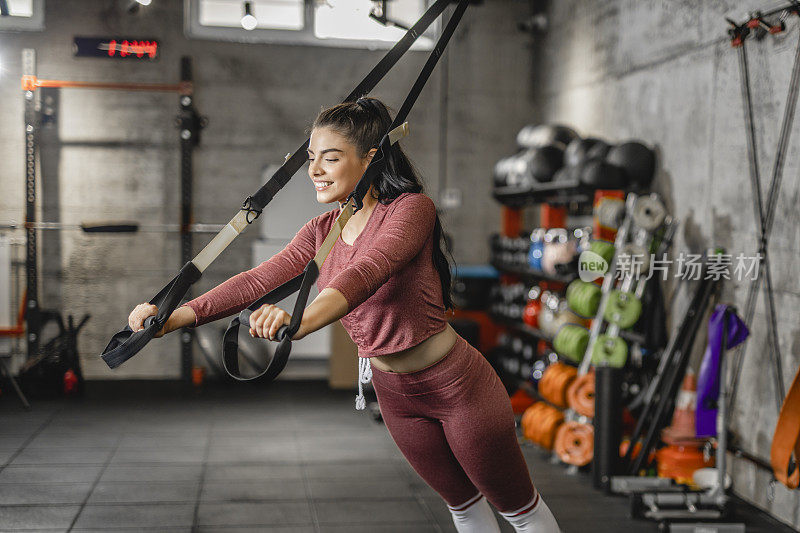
(141, 313)
(181, 317)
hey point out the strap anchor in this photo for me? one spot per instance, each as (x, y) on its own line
(252, 211)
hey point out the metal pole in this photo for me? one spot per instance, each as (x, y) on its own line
(32, 318)
(189, 138)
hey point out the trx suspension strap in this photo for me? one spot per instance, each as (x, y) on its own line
(127, 343)
(304, 281)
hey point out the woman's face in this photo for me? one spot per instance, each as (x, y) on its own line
(334, 165)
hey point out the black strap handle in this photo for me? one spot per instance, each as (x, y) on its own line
(126, 343)
(302, 284)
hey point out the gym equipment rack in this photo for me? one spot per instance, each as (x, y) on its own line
(189, 123)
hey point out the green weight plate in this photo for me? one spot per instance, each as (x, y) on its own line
(571, 341)
(604, 249)
(583, 298)
(609, 351)
(622, 309)
(572, 290)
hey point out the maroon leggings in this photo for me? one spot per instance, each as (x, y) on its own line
(454, 424)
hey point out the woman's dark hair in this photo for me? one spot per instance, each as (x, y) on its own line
(364, 123)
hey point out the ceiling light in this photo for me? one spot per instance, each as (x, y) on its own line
(144, 2)
(249, 21)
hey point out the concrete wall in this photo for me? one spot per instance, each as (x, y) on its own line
(259, 100)
(664, 71)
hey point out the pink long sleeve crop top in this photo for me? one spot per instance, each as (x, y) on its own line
(387, 276)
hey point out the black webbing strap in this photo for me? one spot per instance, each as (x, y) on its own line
(353, 203)
(126, 343)
(365, 182)
(282, 176)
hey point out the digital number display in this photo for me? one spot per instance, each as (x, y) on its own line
(116, 47)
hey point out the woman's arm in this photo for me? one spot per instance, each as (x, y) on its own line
(238, 292)
(400, 238)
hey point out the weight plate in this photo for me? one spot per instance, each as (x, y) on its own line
(609, 351)
(649, 212)
(622, 309)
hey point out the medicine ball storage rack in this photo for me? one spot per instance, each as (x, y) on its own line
(555, 166)
(561, 172)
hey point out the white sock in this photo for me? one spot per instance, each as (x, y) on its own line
(474, 516)
(533, 518)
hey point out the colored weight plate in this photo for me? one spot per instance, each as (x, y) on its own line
(604, 249)
(574, 443)
(571, 341)
(583, 297)
(572, 290)
(610, 212)
(609, 351)
(623, 309)
(649, 212)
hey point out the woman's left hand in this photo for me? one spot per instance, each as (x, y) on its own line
(267, 320)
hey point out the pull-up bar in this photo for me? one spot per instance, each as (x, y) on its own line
(31, 83)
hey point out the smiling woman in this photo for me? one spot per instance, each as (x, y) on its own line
(388, 280)
(335, 165)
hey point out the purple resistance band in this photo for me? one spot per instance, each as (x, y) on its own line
(709, 378)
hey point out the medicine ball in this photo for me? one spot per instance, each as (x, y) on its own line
(502, 169)
(544, 162)
(600, 174)
(568, 176)
(578, 150)
(544, 135)
(598, 151)
(637, 161)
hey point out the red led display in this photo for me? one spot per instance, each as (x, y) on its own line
(116, 47)
(137, 48)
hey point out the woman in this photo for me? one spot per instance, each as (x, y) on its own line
(388, 280)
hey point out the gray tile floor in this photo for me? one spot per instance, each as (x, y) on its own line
(294, 457)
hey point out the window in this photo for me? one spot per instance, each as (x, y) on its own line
(21, 15)
(271, 14)
(342, 23)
